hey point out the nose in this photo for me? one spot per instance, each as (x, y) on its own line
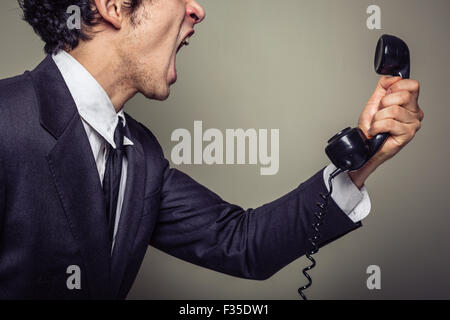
(195, 12)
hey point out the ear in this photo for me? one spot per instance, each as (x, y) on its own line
(111, 11)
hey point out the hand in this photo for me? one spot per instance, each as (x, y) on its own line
(392, 108)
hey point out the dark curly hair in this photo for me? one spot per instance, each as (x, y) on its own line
(49, 20)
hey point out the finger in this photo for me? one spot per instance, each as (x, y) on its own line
(386, 125)
(374, 102)
(402, 98)
(396, 112)
(410, 85)
(387, 82)
(383, 84)
(394, 128)
(421, 114)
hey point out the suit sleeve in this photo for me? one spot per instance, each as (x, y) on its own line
(2, 192)
(196, 225)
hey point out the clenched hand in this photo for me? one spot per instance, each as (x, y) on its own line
(392, 108)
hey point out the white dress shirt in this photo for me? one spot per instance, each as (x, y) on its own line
(353, 201)
(98, 116)
(100, 119)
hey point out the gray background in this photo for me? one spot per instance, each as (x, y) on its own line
(306, 68)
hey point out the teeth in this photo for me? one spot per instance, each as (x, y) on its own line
(184, 43)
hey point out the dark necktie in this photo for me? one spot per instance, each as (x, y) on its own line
(111, 180)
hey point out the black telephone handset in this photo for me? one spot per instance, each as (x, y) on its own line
(350, 149)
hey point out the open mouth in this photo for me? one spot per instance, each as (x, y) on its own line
(185, 41)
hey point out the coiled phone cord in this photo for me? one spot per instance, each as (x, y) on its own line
(323, 206)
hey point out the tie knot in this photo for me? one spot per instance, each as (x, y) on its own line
(119, 134)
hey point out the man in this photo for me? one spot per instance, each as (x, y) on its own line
(85, 188)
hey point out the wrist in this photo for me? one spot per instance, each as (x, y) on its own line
(360, 176)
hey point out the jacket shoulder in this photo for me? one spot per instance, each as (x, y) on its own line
(16, 91)
(17, 107)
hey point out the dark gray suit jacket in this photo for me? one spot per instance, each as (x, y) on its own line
(52, 208)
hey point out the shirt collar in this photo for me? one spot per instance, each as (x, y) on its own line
(93, 103)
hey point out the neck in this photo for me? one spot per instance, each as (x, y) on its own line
(105, 67)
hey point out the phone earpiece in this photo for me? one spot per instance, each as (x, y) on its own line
(392, 57)
(350, 149)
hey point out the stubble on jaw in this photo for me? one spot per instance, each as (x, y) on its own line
(135, 75)
(134, 72)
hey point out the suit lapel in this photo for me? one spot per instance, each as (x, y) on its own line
(75, 175)
(131, 211)
(78, 184)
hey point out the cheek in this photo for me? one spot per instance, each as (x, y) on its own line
(161, 39)
(168, 16)
(153, 41)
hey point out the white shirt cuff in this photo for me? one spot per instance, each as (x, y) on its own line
(353, 201)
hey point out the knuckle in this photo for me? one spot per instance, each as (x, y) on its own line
(415, 85)
(418, 125)
(421, 114)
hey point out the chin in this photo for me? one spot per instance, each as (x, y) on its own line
(159, 94)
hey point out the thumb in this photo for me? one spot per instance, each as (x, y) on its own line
(384, 83)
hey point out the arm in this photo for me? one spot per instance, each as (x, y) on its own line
(196, 225)
(2, 192)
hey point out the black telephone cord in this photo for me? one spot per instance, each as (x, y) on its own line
(319, 215)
